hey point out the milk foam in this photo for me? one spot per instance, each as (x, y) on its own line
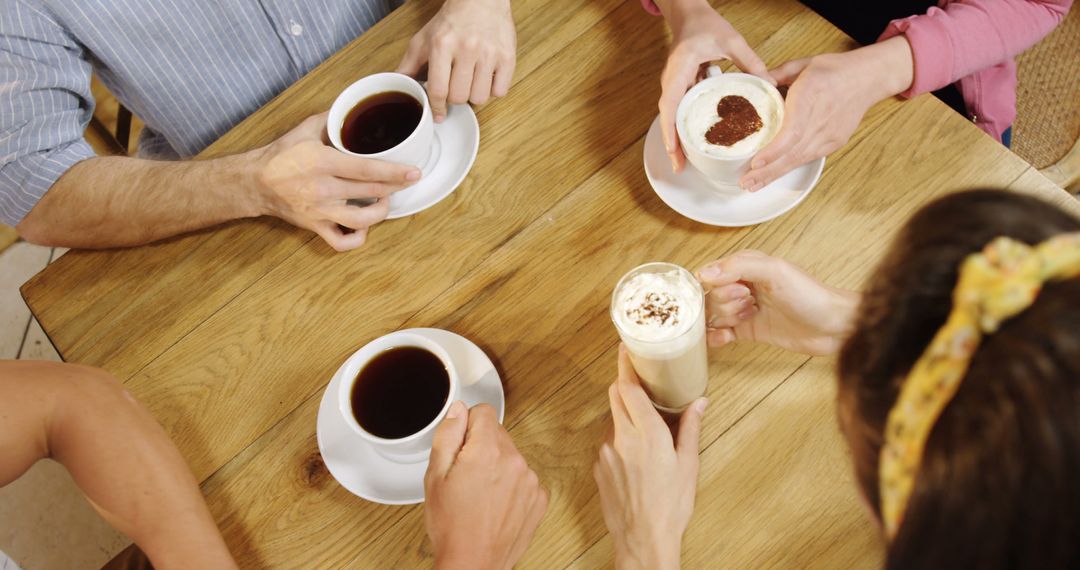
(657, 307)
(701, 116)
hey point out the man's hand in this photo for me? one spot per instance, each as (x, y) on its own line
(307, 183)
(647, 480)
(470, 48)
(483, 502)
(699, 36)
(828, 97)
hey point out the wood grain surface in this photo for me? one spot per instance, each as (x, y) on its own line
(230, 335)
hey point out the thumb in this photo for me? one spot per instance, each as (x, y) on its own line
(747, 60)
(787, 73)
(751, 267)
(689, 432)
(449, 437)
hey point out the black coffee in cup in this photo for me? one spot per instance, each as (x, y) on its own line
(380, 122)
(399, 392)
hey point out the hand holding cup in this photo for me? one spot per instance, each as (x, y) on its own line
(308, 183)
(647, 480)
(757, 297)
(483, 503)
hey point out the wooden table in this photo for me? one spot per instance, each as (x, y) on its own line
(229, 336)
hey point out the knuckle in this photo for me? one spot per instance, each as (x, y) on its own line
(443, 41)
(515, 463)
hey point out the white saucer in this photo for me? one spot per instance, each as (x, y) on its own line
(457, 140)
(368, 475)
(689, 194)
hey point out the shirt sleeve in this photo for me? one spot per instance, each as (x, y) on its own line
(967, 36)
(45, 105)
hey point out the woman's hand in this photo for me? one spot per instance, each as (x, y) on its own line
(470, 48)
(753, 296)
(647, 481)
(700, 36)
(826, 101)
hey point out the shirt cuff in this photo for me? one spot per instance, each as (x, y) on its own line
(24, 181)
(650, 7)
(931, 50)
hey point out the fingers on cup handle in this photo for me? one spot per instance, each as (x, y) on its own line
(449, 439)
(720, 337)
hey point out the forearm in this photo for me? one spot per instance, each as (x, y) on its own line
(676, 12)
(118, 455)
(881, 70)
(119, 201)
(964, 37)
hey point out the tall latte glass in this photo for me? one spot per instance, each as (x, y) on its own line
(659, 310)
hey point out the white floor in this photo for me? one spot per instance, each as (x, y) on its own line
(45, 523)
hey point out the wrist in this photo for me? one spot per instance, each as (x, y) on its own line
(844, 305)
(463, 558)
(247, 171)
(887, 67)
(679, 13)
(648, 554)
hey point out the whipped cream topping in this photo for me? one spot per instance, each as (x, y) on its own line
(701, 116)
(654, 307)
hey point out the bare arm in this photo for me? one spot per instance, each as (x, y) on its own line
(118, 455)
(119, 201)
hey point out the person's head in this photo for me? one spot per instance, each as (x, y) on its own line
(999, 482)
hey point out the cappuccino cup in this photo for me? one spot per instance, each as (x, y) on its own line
(723, 121)
(395, 391)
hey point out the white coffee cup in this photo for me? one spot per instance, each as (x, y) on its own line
(416, 149)
(412, 448)
(723, 172)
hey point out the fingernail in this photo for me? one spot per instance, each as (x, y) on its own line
(747, 185)
(712, 272)
(439, 118)
(455, 410)
(700, 404)
(757, 186)
(757, 163)
(412, 175)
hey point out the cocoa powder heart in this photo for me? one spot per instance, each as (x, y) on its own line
(738, 120)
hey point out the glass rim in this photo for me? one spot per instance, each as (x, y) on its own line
(640, 269)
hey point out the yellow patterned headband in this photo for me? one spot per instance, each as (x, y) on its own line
(994, 285)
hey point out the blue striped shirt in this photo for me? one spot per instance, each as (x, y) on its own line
(190, 69)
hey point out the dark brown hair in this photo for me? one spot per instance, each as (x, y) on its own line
(999, 485)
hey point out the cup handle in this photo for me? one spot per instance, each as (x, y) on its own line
(713, 70)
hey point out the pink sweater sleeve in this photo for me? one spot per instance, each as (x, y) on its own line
(966, 36)
(651, 7)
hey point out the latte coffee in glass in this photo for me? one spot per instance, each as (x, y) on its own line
(659, 311)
